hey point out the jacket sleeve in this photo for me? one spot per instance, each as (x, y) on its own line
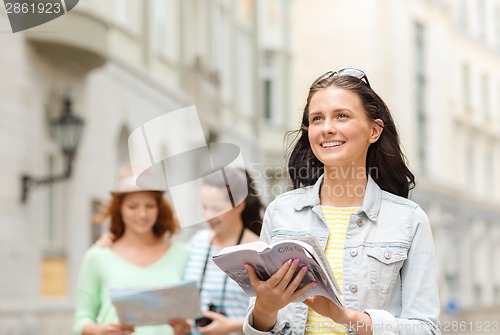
(282, 326)
(420, 296)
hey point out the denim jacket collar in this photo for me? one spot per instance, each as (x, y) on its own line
(371, 200)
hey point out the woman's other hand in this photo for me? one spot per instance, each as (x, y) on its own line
(325, 307)
(220, 325)
(115, 328)
(180, 326)
(356, 321)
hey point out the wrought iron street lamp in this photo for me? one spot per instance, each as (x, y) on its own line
(67, 131)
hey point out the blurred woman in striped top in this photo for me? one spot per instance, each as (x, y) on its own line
(234, 216)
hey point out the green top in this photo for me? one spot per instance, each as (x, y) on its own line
(102, 269)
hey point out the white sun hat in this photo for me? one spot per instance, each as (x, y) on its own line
(127, 182)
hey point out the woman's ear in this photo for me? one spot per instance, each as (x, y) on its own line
(377, 129)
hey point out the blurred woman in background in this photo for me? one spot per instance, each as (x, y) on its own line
(141, 255)
(234, 214)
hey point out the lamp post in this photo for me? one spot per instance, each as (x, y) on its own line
(68, 130)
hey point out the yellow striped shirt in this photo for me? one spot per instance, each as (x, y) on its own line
(337, 219)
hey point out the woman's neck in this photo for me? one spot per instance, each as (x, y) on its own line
(228, 237)
(139, 241)
(343, 186)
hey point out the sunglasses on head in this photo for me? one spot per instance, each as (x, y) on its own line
(356, 73)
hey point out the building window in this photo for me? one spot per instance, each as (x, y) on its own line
(470, 171)
(450, 261)
(243, 73)
(489, 180)
(159, 18)
(268, 73)
(463, 19)
(495, 256)
(480, 259)
(420, 94)
(122, 154)
(466, 88)
(128, 15)
(120, 10)
(496, 111)
(485, 92)
(497, 26)
(218, 37)
(165, 28)
(481, 18)
(478, 292)
(268, 99)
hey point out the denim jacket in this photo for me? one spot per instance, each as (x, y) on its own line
(389, 265)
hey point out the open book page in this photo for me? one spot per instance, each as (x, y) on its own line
(314, 243)
(257, 246)
(315, 260)
(233, 264)
(156, 306)
(270, 259)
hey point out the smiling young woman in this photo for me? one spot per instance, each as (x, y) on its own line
(351, 185)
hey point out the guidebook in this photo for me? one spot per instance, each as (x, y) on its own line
(156, 306)
(267, 259)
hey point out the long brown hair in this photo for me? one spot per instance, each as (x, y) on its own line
(165, 223)
(385, 161)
